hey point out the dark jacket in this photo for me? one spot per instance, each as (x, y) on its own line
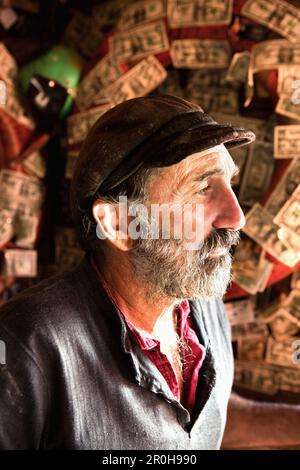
(74, 380)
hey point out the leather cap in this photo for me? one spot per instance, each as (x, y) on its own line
(156, 131)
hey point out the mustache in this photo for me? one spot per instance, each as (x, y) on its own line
(221, 238)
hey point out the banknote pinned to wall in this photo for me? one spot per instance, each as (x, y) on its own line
(200, 53)
(290, 239)
(284, 188)
(278, 15)
(6, 226)
(282, 353)
(214, 99)
(141, 12)
(21, 193)
(289, 215)
(238, 68)
(241, 311)
(250, 330)
(19, 263)
(79, 124)
(206, 78)
(14, 106)
(8, 65)
(25, 229)
(35, 164)
(183, 14)
(139, 42)
(257, 173)
(251, 349)
(288, 105)
(289, 379)
(171, 85)
(292, 304)
(287, 141)
(144, 77)
(287, 78)
(209, 89)
(270, 55)
(262, 229)
(257, 376)
(281, 323)
(91, 88)
(250, 269)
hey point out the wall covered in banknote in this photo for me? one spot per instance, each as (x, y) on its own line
(64, 63)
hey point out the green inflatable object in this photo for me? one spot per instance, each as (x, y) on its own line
(61, 64)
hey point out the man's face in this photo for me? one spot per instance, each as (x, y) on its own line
(176, 267)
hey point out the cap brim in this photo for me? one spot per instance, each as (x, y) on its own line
(176, 147)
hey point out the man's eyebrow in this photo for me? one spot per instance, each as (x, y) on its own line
(216, 171)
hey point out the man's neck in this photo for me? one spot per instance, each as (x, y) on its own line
(155, 318)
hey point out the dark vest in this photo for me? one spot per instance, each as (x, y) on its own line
(73, 379)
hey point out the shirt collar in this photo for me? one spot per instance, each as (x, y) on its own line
(144, 341)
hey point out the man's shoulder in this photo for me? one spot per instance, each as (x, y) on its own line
(49, 302)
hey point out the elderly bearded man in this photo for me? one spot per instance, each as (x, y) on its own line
(131, 350)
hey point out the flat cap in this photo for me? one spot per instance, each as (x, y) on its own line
(156, 131)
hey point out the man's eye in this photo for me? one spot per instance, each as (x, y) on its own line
(204, 190)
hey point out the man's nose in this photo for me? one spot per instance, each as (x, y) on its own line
(229, 213)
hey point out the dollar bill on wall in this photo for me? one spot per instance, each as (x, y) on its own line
(6, 226)
(91, 88)
(241, 311)
(200, 53)
(141, 12)
(183, 13)
(35, 164)
(292, 304)
(284, 188)
(269, 55)
(289, 379)
(19, 263)
(14, 106)
(251, 349)
(139, 42)
(278, 15)
(25, 229)
(250, 269)
(256, 376)
(281, 323)
(287, 106)
(261, 228)
(257, 173)
(281, 352)
(287, 76)
(8, 65)
(253, 329)
(238, 68)
(287, 141)
(289, 215)
(144, 77)
(21, 193)
(211, 100)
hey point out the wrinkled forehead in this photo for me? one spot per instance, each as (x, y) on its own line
(217, 156)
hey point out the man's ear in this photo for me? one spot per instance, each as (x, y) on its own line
(109, 226)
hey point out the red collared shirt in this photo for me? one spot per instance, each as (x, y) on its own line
(193, 356)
